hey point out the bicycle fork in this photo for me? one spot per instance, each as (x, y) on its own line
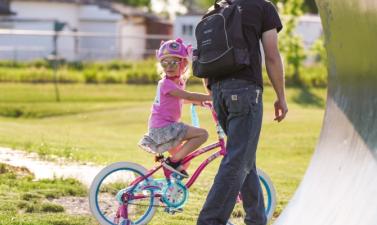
(121, 216)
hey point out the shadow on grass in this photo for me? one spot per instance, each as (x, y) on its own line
(306, 97)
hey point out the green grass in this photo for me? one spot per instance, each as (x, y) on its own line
(43, 219)
(103, 123)
(24, 201)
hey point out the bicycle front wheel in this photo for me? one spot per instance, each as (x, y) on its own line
(107, 184)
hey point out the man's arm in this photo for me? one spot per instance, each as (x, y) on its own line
(275, 71)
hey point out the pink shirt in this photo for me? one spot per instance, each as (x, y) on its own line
(166, 108)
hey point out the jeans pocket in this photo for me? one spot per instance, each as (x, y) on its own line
(237, 100)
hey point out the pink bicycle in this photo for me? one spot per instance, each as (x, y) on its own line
(126, 193)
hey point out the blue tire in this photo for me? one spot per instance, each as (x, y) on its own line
(269, 194)
(105, 186)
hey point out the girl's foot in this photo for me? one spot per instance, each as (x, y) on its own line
(174, 167)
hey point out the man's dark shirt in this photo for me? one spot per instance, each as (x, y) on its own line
(258, 16)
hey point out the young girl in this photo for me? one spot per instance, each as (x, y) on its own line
(166, 132)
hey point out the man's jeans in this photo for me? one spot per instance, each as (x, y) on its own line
(238, 104)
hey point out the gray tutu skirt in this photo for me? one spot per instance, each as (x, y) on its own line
(159, 140)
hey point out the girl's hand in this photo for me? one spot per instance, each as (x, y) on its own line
(207, 103)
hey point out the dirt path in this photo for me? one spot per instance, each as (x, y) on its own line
(59, 168)
(85, 173)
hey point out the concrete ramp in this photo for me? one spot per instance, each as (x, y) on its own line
(340, 186)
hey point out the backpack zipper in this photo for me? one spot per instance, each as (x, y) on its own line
(217, 57)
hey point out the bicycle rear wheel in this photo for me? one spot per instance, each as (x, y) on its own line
(269, 194)
(103, 192)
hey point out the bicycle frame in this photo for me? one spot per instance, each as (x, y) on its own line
(156, 189)
(220, 144)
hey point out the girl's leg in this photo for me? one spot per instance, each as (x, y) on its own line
(173, 151)
(194, 138)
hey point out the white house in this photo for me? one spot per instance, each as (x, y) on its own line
(93, 30)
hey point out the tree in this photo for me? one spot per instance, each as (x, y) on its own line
(310, 7)
(290, 44)
(204, 3)
(318, 50)
(136, 2)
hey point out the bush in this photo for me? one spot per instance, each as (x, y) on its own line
(29, 207)
(90, 76)
(51, 207)
(76, 72)
(11, 112)
(29, 196)
(314, 76)
(3, 168)
(37, 206)
(138, 72)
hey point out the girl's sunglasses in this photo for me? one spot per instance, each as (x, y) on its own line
(172, 63)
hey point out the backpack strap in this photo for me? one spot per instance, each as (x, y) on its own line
(218, 5)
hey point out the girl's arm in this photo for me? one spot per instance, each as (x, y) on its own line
(190, 96)
(192, 102)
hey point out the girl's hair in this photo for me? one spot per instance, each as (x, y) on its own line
(175, 48)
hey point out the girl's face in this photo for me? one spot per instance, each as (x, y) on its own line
(172, 66)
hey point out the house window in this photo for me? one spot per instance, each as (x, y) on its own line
(187, 29)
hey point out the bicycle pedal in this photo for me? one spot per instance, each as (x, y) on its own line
(173, 211)
(179, 210)
(167, 210)
(177, 176)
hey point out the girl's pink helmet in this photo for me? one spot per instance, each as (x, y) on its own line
(174, 48)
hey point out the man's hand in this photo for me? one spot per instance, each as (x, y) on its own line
(281, 109)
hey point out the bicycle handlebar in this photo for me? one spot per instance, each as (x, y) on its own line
(195, 118)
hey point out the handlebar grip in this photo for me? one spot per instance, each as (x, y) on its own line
(194, 116)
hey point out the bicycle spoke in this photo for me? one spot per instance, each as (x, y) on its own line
(108, 205)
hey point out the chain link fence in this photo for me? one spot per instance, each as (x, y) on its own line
(28, 45)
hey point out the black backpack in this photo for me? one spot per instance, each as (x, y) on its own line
(221, 46)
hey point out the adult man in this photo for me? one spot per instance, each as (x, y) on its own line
(237, 99)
